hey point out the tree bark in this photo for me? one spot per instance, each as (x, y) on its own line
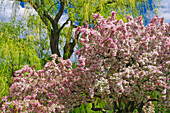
(69, 49)
(54, 39)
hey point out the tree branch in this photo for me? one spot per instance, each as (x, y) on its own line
(115, 106)
(74, 26)
(159, 89)
(132, 105)
(52, 6)
(46, 13)
(140, 107)
(152, 100)
(120, 105)
(60, 12)
(42, 3)
(127, 105)
(63, 25)
(97, 109)
(49, 17)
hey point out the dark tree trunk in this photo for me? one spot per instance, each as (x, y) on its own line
(68, 50)
(54, 45)
(54, 38)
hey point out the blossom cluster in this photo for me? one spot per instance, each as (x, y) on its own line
(45, 90)
(127, 60)
(119, 62)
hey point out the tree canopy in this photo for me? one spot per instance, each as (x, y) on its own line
(79, 12)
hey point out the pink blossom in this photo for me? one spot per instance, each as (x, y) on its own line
(117, 60)
(164, 91)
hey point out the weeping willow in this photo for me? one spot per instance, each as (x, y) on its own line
(79, 12)
(20, 46)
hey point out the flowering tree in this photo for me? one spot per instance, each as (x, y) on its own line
(126, 61)
(121, 63)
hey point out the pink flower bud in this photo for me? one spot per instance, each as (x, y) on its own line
(164, 91)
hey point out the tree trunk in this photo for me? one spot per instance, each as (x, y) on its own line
(68, 50)
(54, 38)
(54, 45)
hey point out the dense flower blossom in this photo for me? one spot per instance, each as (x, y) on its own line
(131, 58)
(119, 62)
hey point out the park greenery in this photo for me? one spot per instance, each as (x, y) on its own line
(123, 64)
(32, 42)
(50, 12)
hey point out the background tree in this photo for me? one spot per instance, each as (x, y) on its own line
(79, 11)
(19, 46)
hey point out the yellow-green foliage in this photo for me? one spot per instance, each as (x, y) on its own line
(14, 54)
(85, 8)
(81, 10)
